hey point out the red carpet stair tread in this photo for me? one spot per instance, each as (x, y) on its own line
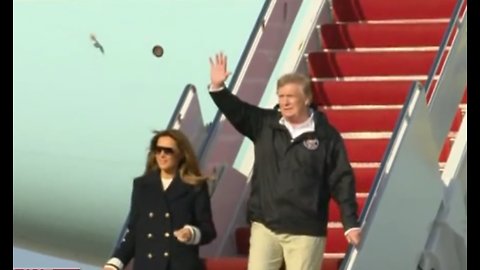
(383, 35)
(364, 178)
(336, 241)
(361, 10)
(361, 92)
(358, 120)
(241, 263)
(348, 93)
(372, 150)
(377, 63)
(334, 211)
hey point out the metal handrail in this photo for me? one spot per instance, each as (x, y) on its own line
(443, 45)
(241, 65)
(176, 113)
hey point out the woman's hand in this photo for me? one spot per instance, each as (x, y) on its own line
(183, 235)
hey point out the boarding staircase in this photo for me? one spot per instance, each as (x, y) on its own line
(371, 53)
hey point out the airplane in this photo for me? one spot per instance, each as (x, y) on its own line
(82, 120)
(81, 117)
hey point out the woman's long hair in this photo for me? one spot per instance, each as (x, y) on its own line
(188, 166)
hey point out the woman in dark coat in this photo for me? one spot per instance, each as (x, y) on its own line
(170, 214)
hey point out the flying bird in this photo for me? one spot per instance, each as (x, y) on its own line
(97, 44)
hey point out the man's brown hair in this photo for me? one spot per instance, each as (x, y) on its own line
(300, 79)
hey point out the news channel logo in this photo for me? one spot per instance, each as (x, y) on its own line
(44, 268)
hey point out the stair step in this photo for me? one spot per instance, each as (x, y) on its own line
(363, 120)
(242, 240)
(375, 92)
(370, 120)
(372, 150)
(445, 152)
(364, 178)
(366, 150)
(334, 210)
(357, 10)
(222, 263)
(336, 242)
(241, 263)
(345, 63)
(358, 35)
(361, 92)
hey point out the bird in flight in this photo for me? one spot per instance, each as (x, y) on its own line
(97, 44)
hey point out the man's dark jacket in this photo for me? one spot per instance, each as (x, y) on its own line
(293, 180)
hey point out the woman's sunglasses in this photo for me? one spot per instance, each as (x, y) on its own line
(166, 150)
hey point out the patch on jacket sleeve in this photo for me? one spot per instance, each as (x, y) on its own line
(311, 144)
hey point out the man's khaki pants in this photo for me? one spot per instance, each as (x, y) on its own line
(268, 249)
